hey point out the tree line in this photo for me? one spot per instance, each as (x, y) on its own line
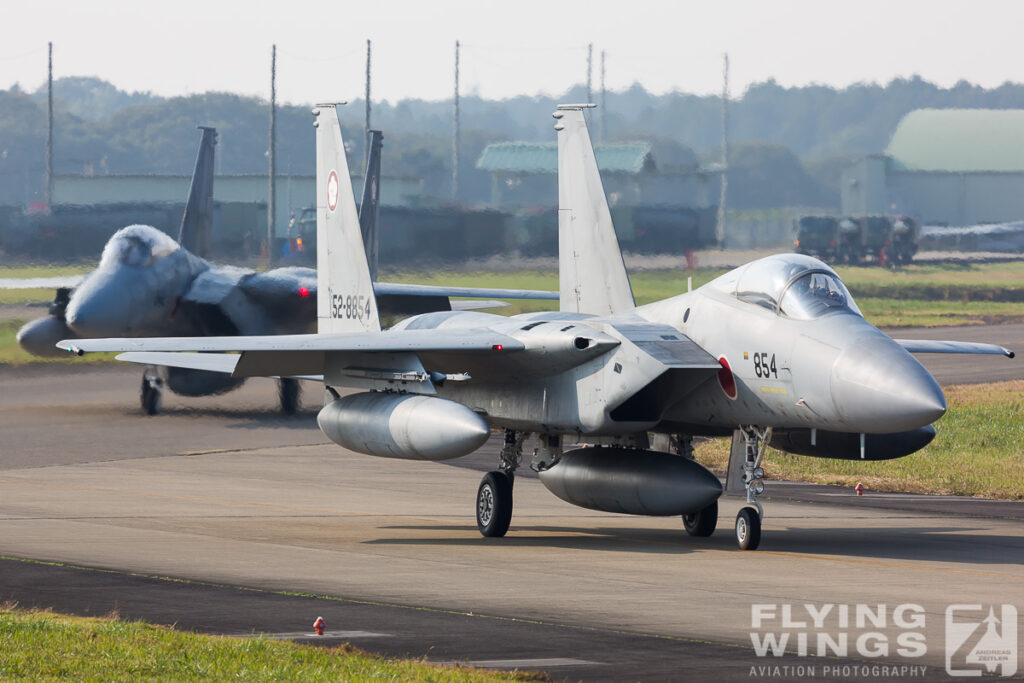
(787, 145)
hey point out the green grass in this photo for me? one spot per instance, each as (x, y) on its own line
(42, 645)
(27, 271)
(25, 296)
(12, 354)
(1002, 281)
(978, 451)
(917, 313)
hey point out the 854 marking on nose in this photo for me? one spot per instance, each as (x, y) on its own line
(765, 367)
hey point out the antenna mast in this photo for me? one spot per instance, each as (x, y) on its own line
(366, 126)
(271, 207)
(604, 110)
(590, 59)
(49, 129)
(455, 130)
(720, 226)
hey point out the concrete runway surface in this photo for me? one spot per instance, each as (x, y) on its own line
(225, 493)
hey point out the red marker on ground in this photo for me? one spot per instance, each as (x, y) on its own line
(318, 626)
(859, 488)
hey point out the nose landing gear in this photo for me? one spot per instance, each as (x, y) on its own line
(748, 520)
(152, 394)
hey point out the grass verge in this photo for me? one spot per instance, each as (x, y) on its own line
(43, 645)
(12, 354)
(978, 451)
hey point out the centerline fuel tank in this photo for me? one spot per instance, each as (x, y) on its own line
(407, 426)
(636, 482)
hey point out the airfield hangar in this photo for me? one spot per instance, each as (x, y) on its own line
(944, 167)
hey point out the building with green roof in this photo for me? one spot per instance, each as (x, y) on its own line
(523, 172)
(944, 166)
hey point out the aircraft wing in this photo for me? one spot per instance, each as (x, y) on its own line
(300, 354)
(63, 281)
(933, 346)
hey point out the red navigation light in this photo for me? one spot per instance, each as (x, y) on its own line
(303, 292)
(496, 347)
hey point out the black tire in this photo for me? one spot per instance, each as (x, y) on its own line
(152, 396)
(703, 522)
(748, 529)
(288, 393)
(494, 504)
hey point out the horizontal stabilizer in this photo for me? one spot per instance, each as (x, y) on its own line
(932, 346)
(476, 292)
(209, 362)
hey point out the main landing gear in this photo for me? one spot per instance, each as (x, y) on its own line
(748, 520)
(152, 394)
(494, 497)
(288, 393)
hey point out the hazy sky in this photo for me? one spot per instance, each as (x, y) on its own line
(509, 48)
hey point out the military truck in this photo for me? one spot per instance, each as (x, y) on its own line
(817, 236)
(885, 240)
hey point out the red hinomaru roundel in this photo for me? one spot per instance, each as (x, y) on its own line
(726, 379)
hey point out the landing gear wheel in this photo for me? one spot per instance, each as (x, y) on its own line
(152, 396)
(288, 392)
(748, 529)
(702, 523)
(494, 504)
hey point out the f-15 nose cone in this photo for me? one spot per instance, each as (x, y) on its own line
(878, 387)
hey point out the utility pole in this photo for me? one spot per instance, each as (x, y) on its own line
(720, 227)
(366, 126)
(604, 110)
(590, 58)
(271, 203)
(455, 131)
(48, 196)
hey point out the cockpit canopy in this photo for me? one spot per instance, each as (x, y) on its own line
(793, 285)
(136, 245)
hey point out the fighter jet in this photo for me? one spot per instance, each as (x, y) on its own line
(147, 285)
(775, 352)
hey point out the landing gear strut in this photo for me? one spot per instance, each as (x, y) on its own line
(494, 497)
(152, 394)
(748, 521)
(288, 392)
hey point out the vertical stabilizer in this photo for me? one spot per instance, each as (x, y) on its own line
(345, 300)
(197, 221)
(369, 207)
(591, 274)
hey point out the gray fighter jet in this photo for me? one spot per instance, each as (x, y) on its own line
(775, 352)
(146, 285)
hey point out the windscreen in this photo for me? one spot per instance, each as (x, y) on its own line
(815, 294)
(136, 246)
